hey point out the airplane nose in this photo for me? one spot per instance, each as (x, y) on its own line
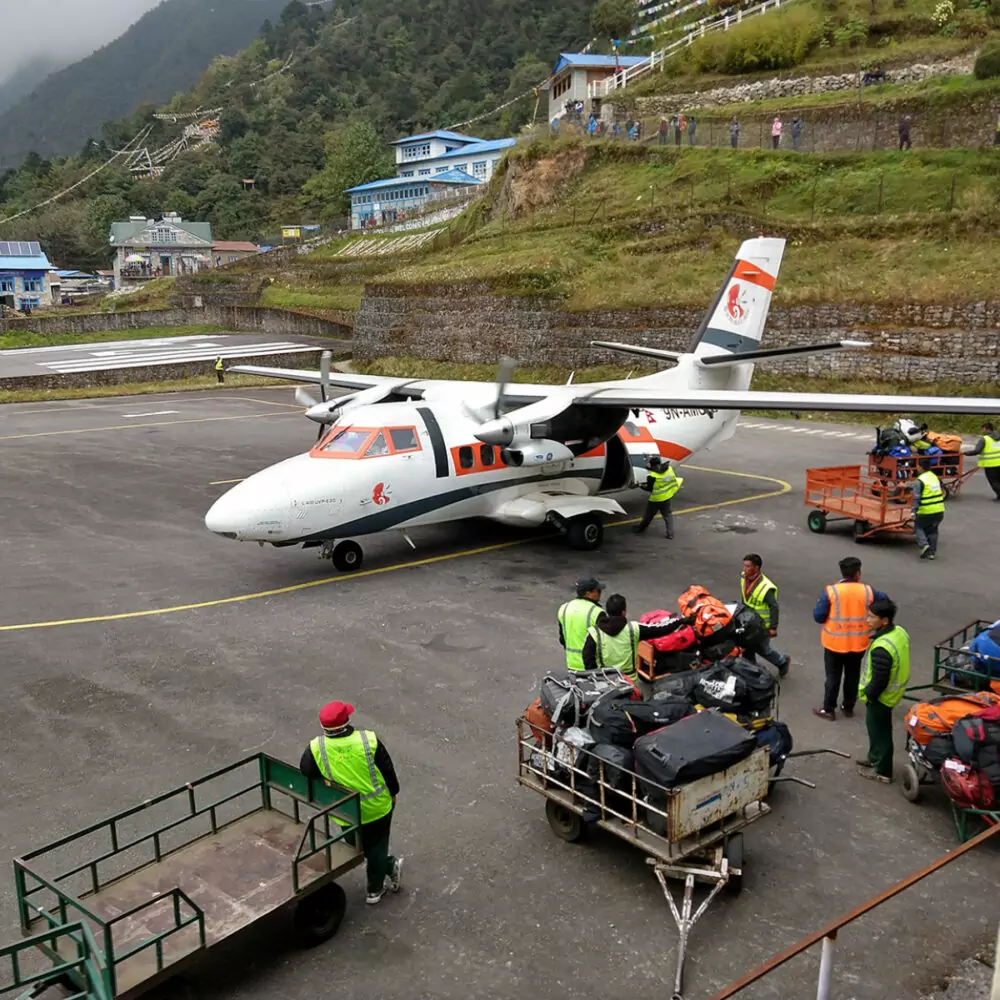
(255, 510)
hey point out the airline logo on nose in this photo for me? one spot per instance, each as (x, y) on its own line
(380, 494)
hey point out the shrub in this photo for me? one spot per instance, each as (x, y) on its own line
(770, 41)
(852, 33)
(988, 62)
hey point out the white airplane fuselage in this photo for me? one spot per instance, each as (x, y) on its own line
(404, 464)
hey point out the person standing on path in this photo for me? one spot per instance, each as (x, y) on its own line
(796, 132)
(220, 371)
(883, 683)
(691, 127)
(661, 132)
(842, 610)
(928, 508)
(776, 132)
(904, 132)
(734, 132)
(988, 450)
(356, 759)
(662, 484)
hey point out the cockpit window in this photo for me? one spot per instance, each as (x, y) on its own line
(348, 440)
(403, 439)
(377, 447)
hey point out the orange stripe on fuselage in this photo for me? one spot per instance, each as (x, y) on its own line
(668, 449)
(745, 271)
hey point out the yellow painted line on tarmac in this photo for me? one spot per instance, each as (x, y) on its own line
(412, 564)
(148, 423)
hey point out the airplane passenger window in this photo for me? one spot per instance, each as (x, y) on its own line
(486, 454)
(404, 438)
(466, 459)
(377, 447)
(347, 441)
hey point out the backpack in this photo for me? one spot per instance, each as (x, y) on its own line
(939, 750)
(761, 687)
(778, 740)
(936, 718)
(540, 723)
(972, 736)
(569, 698)
(718, 687)
(711, 622)
(967, 787)
(748, 628)
(620, 722)
(692, 599)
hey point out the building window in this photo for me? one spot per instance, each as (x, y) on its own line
(479, 169)
(441, 170)
(464, 167)
(406, 173)
(6, 284)
(31, 302)
(232, 257)
(164, 235)
(424, 173)
(415, 152)
(34, 284)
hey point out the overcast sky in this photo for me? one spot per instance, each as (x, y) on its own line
(66, 29)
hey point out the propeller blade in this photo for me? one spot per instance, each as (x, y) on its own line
(324, 374)
(505, 372)
(305, 398)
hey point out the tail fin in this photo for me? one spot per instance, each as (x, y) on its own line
(734, 323)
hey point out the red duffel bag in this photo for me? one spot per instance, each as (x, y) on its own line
(683, 638)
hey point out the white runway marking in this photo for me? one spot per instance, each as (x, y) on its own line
(152, 413)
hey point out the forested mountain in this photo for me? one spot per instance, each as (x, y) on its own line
(162, 54)
(22, 82)
(306, 110)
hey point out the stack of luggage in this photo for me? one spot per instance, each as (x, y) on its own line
(699, 720)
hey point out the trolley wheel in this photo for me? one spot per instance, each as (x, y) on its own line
(565, 823)
(732, 851)
(319, 915)
(817, 521)
(861, 528)
(348, 556)
(910, 785)
(585, 532)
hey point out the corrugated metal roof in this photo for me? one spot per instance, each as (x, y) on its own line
(439, 134)
(445, 177)
(586, 60)
(454, 177)
(39, 263)
(484, 146)
(122, 232)
(239, 246)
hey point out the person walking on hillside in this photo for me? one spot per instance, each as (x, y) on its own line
(796, 132)
(928, 508)
(220, 371)
(662, 131)
(691, 127)
(776, 132)
(662, 484)
(356, 759)
(576, 617)
(761, 595)
(904, 132)
(996, 133)
(988, 450)
(680, 123)
(882, 685)
(734, 132)
(842, 610)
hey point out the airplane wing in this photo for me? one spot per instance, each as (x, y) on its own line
(724, 399)
(342, 380)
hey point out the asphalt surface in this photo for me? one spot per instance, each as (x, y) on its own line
(103, 521)
(108, 355)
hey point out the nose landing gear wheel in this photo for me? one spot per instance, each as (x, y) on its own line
(348, 557)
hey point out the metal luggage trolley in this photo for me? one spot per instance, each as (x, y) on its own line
(949, 467)
(850, 493)
(129, 902)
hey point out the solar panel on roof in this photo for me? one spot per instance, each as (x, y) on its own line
(20, 249)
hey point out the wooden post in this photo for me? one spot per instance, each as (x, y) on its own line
(951, 200)
(812, 203)
(881, 185)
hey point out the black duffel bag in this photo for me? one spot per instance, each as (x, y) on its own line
(747, 628)
(718, 687)
(620, 722)
(618, 766)
(760, 683)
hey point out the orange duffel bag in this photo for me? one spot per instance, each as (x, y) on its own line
(950, 443)
(711, 617)
(935, 718)
(692, 599)
(540, 723)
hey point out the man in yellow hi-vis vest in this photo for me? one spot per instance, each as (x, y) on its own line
(928, 508)
(661, 484)
(220, 371)
(356, 759)
(987, 449)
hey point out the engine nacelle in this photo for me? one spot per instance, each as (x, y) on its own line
(533, 453)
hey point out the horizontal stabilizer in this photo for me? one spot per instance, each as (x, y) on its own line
(721, 360)
(644, 352)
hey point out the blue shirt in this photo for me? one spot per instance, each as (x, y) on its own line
(822, 610)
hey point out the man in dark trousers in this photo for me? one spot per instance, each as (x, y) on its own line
(220, 371)
(356, 759)
(661, 484)
(760, 594)
(883, 682)
(842, 610)
(904, 132)
(988, 451)
(576, 616)
(928, 508)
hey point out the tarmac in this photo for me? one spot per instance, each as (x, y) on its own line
(140, 652)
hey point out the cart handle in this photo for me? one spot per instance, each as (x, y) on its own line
(813, 751)
(791, 777)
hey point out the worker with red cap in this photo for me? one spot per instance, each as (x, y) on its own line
(357, 760)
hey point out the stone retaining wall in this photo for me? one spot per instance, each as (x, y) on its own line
(466, 324)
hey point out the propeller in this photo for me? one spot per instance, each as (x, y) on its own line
(505, 373)
(315, 409)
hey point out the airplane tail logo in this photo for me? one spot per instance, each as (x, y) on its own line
(736, 304)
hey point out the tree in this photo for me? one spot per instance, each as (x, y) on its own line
(528, 72)
(355, 154)
(614, 19)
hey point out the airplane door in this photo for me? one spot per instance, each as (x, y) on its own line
(617, 466)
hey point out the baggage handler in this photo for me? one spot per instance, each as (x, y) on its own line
(761, 595)
(988, 449)
(356, 759)
(883, 681)
(928, 508)
(842, 610)
(662, 485)
(576, 616)
(612, 642)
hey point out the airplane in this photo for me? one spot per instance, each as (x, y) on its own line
(398, 453)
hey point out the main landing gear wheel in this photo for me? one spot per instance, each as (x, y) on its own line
(585, 532)
(348, 557)
(817, 521)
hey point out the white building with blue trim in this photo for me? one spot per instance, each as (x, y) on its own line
(434, 166)
(575, 72)
(25, 278)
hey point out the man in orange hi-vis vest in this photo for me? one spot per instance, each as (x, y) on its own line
(842, 610)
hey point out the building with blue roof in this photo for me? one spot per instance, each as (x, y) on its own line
(433, 166)
(572, 74)
(25, 278)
